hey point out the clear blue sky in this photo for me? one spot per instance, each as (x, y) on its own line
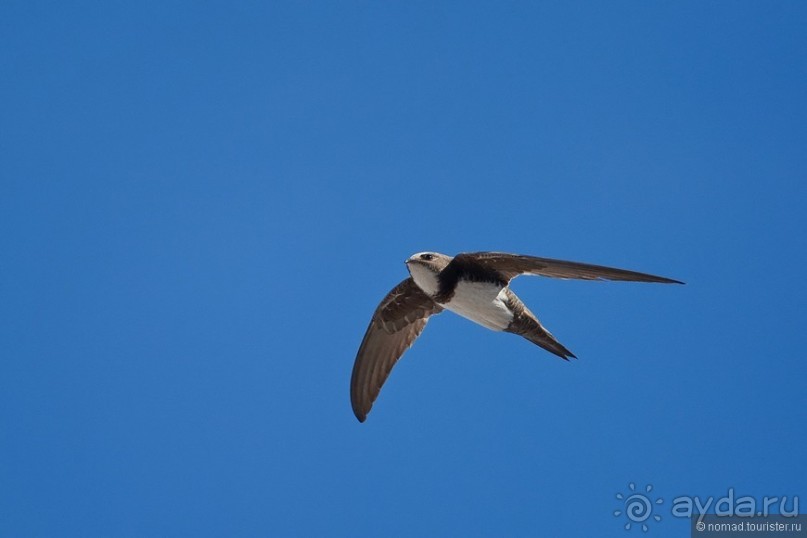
(201, 205)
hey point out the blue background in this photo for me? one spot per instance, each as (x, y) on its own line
(202, 203)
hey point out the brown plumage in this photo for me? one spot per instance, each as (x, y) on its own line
(473, 285)
(396, 323)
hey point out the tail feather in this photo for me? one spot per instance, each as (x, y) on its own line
(525, 324)
(540, 336)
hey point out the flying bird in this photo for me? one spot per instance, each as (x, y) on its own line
(474, 285)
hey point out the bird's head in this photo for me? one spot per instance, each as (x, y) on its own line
(424, 268)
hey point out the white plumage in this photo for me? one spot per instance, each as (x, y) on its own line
(482, 303)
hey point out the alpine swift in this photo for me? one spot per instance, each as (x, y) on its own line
(474, 285)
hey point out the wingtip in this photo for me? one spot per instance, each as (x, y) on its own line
(361, 417)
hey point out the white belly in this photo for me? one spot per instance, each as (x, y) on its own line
(482, 303)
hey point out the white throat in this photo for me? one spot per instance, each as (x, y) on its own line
(425, 278)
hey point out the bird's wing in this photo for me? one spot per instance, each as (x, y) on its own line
(396, 323)
(510, 266)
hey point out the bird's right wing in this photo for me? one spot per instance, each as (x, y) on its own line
(512, 265)
(396, 323)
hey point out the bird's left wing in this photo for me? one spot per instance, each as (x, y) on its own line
(396, 323)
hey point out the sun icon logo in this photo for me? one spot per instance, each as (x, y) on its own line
(638, 507)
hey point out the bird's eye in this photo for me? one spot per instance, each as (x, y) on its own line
(427, 257)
